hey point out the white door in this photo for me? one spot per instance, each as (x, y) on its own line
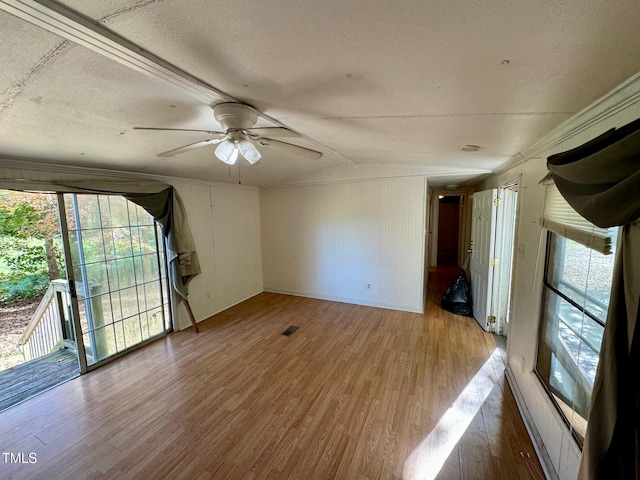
(482, 252)
(505, 238)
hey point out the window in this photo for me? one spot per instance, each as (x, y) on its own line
(576, 292)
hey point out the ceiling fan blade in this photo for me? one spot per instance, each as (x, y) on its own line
(210, 132)
(272, 132)
(289, 147)
(176, 151)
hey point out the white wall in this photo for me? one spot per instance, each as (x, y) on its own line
(330, 240)
(615, 110)
(225, 221)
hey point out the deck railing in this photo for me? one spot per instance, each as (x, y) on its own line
(48, 328)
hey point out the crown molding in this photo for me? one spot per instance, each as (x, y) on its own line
(60, 169)
(620, 98)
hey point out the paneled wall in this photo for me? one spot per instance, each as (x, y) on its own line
(554, 438)
(225, 221)
(358, 242)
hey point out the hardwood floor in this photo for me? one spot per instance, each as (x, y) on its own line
(355, 393)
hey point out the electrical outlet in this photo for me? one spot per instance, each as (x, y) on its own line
(368, 286)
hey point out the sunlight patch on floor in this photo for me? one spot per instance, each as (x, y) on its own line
(427, 459)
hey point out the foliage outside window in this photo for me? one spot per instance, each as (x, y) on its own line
(576, 292)
(30, 245)
(119, 268)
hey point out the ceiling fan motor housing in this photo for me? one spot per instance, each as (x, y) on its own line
(235, 116)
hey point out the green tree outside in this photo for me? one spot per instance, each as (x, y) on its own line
(30, 251)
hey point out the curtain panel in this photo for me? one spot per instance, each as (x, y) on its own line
(601, 181)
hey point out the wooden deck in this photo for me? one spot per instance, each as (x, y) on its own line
(355, 393)
(35, 376)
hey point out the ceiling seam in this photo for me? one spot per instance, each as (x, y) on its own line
(86, 32)
(431, 152)
(12, 92)
(126, 10)
(492, 114)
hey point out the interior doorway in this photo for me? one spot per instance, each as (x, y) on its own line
(493, 242)
(448, 230)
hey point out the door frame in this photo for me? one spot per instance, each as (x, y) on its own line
(167, 317)
(71, 282)
(507, 218)
(464, 223)
(503, 240)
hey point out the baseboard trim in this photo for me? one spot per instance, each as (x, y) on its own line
(536, 439)
(297, 294)
(354, 301)
(215, 312)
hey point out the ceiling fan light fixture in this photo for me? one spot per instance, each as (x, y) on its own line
(234, 155)
(249, 151)
(239, 136)
(227, 152)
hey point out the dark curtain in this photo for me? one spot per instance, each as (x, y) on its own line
(167, 208)
(162, 202)
(601, 181)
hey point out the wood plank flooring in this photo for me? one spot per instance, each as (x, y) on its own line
(355, 393)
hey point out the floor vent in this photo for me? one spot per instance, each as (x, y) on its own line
(289, 330)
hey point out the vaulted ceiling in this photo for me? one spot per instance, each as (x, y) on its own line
(364, 82)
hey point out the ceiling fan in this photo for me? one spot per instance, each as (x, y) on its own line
(239, 137)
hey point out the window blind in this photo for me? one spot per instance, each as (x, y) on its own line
(561, 218)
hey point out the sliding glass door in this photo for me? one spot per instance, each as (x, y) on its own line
(117, 256)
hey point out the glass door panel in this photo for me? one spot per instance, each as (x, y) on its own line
(37, 337)
(120, 274)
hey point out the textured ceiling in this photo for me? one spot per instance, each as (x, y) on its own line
(396, 83)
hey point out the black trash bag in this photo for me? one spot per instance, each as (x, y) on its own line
(457, 297)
